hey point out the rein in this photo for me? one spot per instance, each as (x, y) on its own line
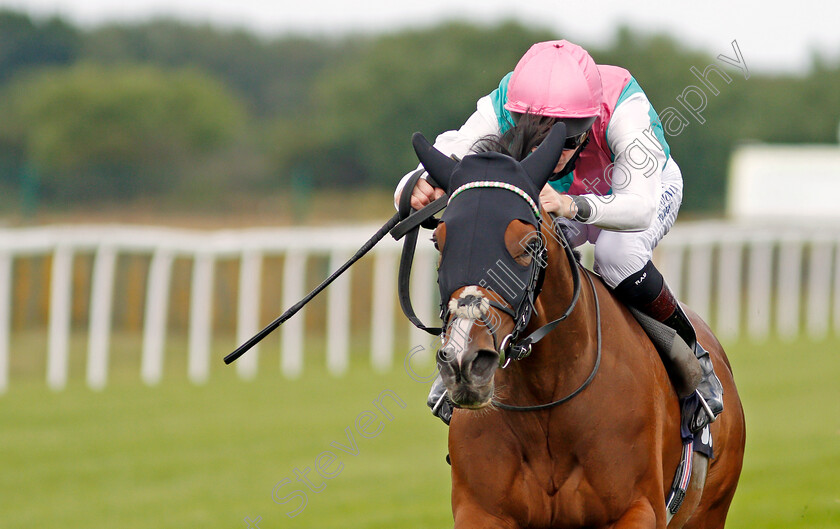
(409, 228)
(575, 393)
(522, 348)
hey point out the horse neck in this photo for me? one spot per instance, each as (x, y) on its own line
(559, 361)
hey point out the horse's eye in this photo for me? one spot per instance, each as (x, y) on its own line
(528, 253)
(434, 241)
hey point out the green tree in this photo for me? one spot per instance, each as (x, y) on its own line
(118, 132)
(417, 80)
(273, 77)
(25, 44)
(341, 110)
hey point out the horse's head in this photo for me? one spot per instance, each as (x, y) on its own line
(491, 258)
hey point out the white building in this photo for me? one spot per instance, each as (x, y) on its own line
(784, 183)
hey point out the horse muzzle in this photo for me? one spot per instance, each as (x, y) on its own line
(467, 362)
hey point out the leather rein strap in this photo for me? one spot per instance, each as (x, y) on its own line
(522, 348)
(589, 379)
(409, 227)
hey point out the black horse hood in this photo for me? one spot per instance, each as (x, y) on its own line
(487, 192)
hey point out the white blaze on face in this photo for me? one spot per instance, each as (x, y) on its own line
(458, 339)
(463, 318)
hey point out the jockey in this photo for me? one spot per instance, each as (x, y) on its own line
(616, 184)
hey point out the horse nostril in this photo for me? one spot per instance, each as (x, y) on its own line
(484, 365)
(448, 371)
(446, 354)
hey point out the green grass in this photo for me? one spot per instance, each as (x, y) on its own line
(791, 396)
(184, 456)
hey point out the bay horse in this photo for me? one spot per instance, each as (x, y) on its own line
(600, 444)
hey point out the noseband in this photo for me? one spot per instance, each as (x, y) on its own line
(518, 349)
(511, 346)
(591, 377)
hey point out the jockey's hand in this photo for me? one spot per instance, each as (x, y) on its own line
(557, 203)
(424, 194)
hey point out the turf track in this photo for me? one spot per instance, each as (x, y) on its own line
(181, 456)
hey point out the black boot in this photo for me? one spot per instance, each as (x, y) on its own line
(647, 292)
(710, 389)
(439, 402)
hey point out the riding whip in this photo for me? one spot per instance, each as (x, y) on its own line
(254, 340)
(403, 215)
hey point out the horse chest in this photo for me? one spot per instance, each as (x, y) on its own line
(566, 494)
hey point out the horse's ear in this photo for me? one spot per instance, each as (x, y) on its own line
(540, 164)
(438, 165)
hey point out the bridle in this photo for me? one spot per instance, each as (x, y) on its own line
(589, 379)
(511, 347)
(524, 345)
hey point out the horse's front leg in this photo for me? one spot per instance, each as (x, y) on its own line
(640, 515)
(474, 517)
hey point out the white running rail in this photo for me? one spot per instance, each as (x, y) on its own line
(746, 280)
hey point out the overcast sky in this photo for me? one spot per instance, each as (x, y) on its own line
(772, 35)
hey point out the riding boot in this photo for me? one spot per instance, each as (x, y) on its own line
(710, 389)
(647, 292)
(439, 402)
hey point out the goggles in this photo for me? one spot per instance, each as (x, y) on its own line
(573, 142)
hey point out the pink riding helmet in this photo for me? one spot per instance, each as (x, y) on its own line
(557, 79)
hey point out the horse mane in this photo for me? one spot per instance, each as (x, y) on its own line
(518, 142)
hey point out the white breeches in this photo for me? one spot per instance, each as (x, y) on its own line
(619, 254)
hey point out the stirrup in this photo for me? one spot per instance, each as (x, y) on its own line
(443, 409)
(440, 405)
(707, 409)
(711, 398)
(703, 415)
